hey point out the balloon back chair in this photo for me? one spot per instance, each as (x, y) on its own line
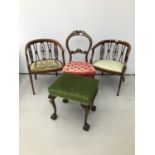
(82, 68)
(111, 56)
(44, 56)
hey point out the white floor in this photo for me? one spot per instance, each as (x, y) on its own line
(111, 126)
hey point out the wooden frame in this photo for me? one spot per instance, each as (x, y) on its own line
(43, 49)
(78, 50)
(87, 109)
(116, 50)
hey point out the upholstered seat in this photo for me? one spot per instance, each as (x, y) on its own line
(79, 68)
(46, 65)
(109, 65)
(74, 87)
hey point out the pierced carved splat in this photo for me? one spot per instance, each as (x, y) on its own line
(30, 54)
(43, 50)
(102, 49)
(111, 50)
(36, 52)
(56, 51)
(78, 50)
(122, 53)
(49, 49)
(108, 50)
(79, 32)
(115, 51)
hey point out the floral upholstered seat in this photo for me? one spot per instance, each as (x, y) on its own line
(46, 65)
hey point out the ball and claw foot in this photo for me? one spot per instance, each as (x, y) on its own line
(86, 127)
(93, 108)
(65, 100)
(54, 116)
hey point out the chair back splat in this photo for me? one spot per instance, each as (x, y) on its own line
(78, 50)
(116, 50)
(44, 49)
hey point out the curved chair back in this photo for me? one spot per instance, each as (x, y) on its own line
(44, 49)
(116, 50)
(78, 50)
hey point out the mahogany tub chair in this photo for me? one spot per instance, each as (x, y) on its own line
(44, 56)
(111, 56)
(82, 68)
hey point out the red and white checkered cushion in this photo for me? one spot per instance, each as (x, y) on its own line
(79, 68)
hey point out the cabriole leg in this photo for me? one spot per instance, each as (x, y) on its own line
(87, 110)
(65, 100)
(93, 107)
(54, 115)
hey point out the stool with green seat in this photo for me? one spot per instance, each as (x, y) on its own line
(74, 87)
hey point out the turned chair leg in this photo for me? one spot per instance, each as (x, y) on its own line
(31, 80)
(56, 73)
(124, 74)
(87, 110)
(35, 75)
(120, 82)
(54, 115)
(102, 73)
(123, 78)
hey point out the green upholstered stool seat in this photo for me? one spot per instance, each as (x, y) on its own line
(74, 87)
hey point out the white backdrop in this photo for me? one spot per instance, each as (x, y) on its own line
(101, 19)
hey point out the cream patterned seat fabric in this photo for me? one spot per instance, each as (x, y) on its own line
(45, 65)
(109, 65)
